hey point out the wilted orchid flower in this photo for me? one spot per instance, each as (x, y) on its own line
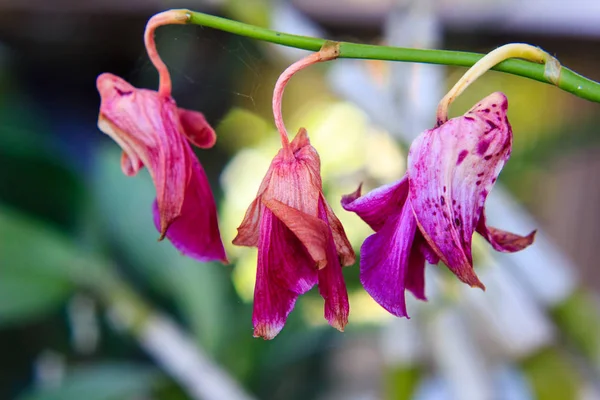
(154, 132)
(300, 240)
(432, 213)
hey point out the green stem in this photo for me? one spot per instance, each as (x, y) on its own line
(569, 81)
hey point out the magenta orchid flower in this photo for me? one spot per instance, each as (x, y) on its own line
(432, 213)
(154, 132)
(300, 241)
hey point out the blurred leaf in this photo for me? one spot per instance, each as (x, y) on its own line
(401, 381)
(579, 320)
(551, 375)
(201, 291)
(35, 268)
(25, 296)
(101, 382)
(40, 185)
(33, 176)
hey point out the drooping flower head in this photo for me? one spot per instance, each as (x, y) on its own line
(432, 213)
(300, 240)
(154, 132)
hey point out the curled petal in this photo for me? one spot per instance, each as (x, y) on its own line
(376, 206)
(501, 240)
(300, 140)
(415, 273)
(248, 231)
(331, 281)
(196, 129)
(425, 249)
(196, 232)
(452, 168)
(385, 259)
(311, 231)
(284, 271)
(130, 165)
(342, 244)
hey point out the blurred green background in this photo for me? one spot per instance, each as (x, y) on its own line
(81, 271)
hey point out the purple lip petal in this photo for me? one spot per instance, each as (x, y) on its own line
(375, 206)
(415, 271)
(385, 260)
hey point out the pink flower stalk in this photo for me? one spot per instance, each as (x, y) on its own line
(154, 132)
(432, 212)
(300, 240)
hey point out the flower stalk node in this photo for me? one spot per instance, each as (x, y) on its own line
(552, 70)
(329, 51)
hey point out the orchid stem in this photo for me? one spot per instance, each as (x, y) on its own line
(569, 81)
(169, 17)
(513, 50)
(329, 51)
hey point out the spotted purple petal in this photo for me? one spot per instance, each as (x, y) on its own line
(451, 170)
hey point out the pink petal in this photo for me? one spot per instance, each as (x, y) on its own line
(196, 232)
(285, 270)
(501, 240)
(376, 206)
(146, 126)
(331, 282)
(249, 229)
(196, 128)
(296, 183)
(385, 260)
(451, 170)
